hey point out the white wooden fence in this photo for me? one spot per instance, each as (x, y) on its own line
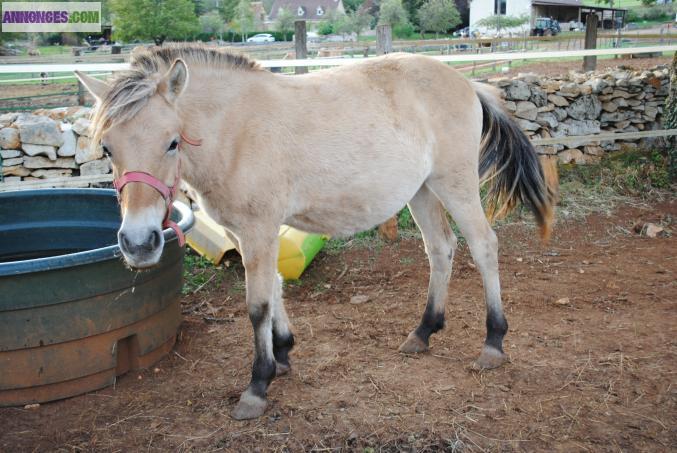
(322, 62)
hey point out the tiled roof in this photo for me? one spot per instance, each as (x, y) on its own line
(306, 9)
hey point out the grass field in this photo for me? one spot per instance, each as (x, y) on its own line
(48, 50)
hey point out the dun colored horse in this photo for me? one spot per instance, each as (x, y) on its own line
(335, 152)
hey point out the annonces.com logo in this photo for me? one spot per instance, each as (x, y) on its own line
(51, 17)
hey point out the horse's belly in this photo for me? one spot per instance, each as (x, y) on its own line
(360, 193)
(326, 222)
(351, 213)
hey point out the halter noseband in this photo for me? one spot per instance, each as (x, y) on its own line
(167, 192)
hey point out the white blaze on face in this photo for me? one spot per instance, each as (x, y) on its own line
(136, 232)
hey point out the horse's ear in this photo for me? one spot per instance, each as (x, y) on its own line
(97, 87)
(174, 81)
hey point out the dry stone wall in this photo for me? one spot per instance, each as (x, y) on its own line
(49, 144)
(619, 100)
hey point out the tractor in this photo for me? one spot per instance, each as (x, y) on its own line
(546, 26)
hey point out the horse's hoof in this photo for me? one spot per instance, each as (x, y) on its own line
(490, 358)
(249, 406)
(413, 344)
(281, 369)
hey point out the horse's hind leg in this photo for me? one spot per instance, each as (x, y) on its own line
(283, 339)
(465, 207)
(440, 244)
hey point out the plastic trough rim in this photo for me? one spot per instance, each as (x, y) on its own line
(88, 256)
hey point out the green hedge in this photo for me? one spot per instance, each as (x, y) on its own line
(652, 13)
(237, 37)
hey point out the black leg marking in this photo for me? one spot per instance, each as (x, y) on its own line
(256, 315)
(263, 369)
(282, 344)
(431, 322)
(497, 327)
(263, 372)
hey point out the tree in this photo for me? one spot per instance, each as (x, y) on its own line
(284, 22)
(227, 10)
(438, 16)
(153, 19)
(392, 13)
(333, 23)
(352, 5)
(611, 3)
(358, 21)
(202, 7)
(244, 18)
(342, 25)
(499, 22)
(412, 7)
(212, 24)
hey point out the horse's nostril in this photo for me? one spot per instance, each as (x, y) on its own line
(124, 242)
(155, 239)
(152, 242)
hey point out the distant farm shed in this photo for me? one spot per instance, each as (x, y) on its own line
(562, 10)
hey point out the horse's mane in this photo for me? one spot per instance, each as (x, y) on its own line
(130, 90)
(154, 59)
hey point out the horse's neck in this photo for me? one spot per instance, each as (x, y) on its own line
(210, 101)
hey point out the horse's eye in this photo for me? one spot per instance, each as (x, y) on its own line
(105, 150)
(173, 146)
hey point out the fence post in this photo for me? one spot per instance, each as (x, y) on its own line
(590, 62)
(81, 93)
(384, 39)
(384, 45)
(300, 44)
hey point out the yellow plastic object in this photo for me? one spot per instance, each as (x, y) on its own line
(208, 238)
(297, 248)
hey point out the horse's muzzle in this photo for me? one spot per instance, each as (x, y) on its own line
(141, 249)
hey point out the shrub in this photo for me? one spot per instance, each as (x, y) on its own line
(652, 13)
(404, 30)
(325, 28)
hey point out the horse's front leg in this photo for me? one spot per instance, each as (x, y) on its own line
(260, 261)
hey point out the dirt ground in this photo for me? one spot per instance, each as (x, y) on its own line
(49, 95)
(591, 341)
(552, 68)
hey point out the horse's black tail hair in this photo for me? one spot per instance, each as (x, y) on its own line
(509, 164)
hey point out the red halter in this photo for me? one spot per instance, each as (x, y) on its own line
(168, 193)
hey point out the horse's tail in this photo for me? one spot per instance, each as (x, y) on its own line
(509, 164)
